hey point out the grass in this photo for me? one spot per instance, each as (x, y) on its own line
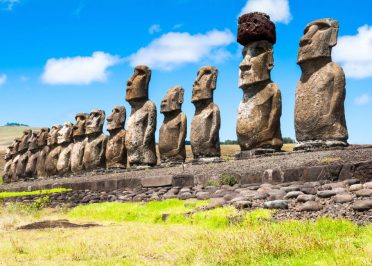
(133, 234)
(31, 193)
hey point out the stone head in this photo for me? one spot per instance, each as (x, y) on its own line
(8, 152)
(172, 100)
(15, 146)
(204, 84)
(23, 145)
(42, 137)
(318, 39)
(65, 133)
(32, 142)
(117, 118)
(80, 124)
(138, 84)
(256, 64)
(95, 121)
(53, 135)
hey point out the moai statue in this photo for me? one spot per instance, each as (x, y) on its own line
(205, 125)
(78, 133)
(15, 158)
(320, 94)
(64, 140)
(95, 147)
(258, 123)
(42, 143)
(116, 152)
(8, 163)
(53, 153)
(33, 153)
(173, 130)
(23, 150)
(140, 137)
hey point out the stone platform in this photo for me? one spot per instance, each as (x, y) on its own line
(351, 162)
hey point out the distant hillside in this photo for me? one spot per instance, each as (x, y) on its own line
(14, 124)
(8, 133)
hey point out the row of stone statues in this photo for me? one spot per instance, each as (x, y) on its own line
(319, 112)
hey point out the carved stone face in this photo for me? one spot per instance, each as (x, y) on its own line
(172, 100)
(65, 133)
(256, 64)
(23, 145)
(32, 142)
(138, 84)
(318, 39)
(53, 135)
(42, 137)
(204, 84)
(95, 121)
(8, 152)
(117, 118)
(15, 146)
(79, 126)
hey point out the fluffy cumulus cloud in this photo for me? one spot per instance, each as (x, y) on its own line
(278, 10)
(174, 49)
(363, 99)
(3, 79)
(8, 5)
(154, 28)
(78, 70)
(354, 53)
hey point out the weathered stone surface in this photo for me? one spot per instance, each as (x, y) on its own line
(42, 151)
(326, 193)
(172, 133)
(342, 198)
(183, 180)
(368, 185)
(255, 26)
(116, 152)
(320, 93)
(310, 206)
(366, 192)
(205, 125)
(276, 204)
(23, 154)
(355, 187)
(52, 151)
(293, 194)
(141, 126)
(65, 142)
(362, 205)
(8, 157)
(272, 175)
(242, 204)
(258, 125)
(157, 181)
(30, 170)
(95, 147)
(305, 197)
(78, 133)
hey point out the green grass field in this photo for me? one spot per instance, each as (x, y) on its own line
(136, 234)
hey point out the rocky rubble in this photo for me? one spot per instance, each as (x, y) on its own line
(350, 199)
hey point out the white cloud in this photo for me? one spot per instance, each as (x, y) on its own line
(174, 49)
(8, 4)
(3, 79)
(78, 70)
(154, 28)
(278, 10)
(354, 53)
(363, 99)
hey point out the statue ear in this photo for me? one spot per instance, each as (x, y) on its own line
(214, 79)
(180, 96)
(270, 60)
(333, 39)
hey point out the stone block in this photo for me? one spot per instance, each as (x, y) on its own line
(183, 181)
(157, 181)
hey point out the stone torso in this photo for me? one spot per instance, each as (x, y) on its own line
(21, 166)
(13, 168)
(40, 165)
(77, 154)
(254, 114)
(203, 142)
(169, 136)
(32, 163)
(313, 117)
(116, 152)
(7, 171)
(51, 161)
(141, 123)
(94, 152)
(63, 163)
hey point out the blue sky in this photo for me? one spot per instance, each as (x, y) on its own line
(58, 58)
